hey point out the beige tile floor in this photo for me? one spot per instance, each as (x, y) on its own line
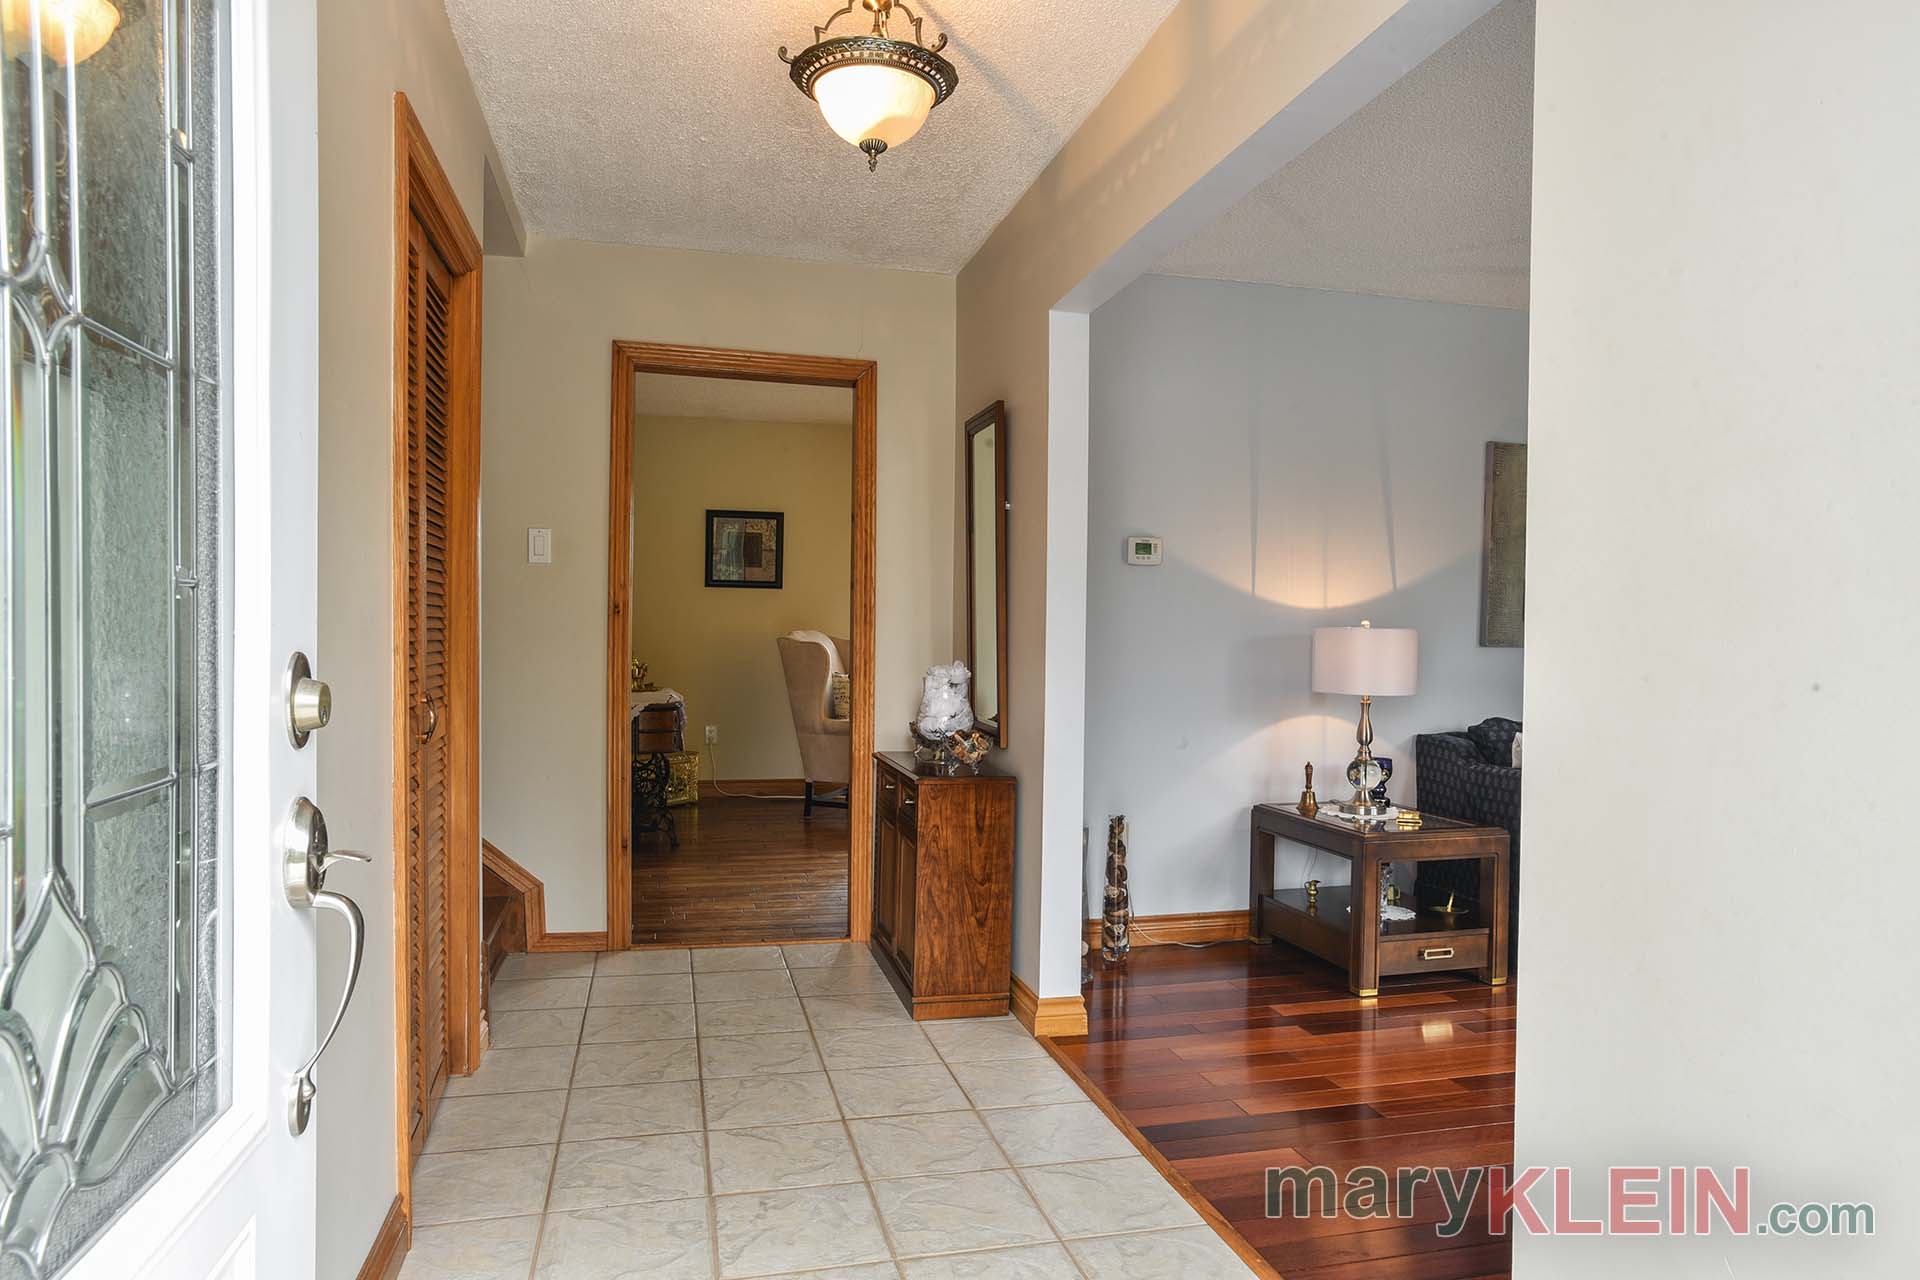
(773, 1112)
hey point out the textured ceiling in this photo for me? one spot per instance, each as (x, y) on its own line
(667, 395)
(675, 124)
(1423, 193)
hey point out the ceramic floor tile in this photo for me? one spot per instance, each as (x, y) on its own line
(1033, 1262)
(642, 1062)
(1016, 1084)
(632, 1110)
(753, 984)
(750, 1017)
(874, 1008)
(609, 1024)
(646, 988)
(531, 1027)
(873, 1271)
(516, 1071)
(462, 1185)
(840, 980)
(627, 964)
(847, 1048)
(958, 1211)
(1056, 1134)
(895, 1091)
(667, 1241)
(811, 955)
(941, 1142)
(1100, 1197)
(539, 993)
(749, 1102)
(983, 1040)
(516, 968)
(781, 1053)
(1193, 1254)
(498, 1249)
(768, 1159)
(766, 1232)
(496, 1120)
(610, 1171)
(733, 959)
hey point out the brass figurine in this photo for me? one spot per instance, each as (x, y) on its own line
(1313, 892)
(1309, 803)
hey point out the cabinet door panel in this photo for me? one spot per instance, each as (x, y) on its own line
(906, 875)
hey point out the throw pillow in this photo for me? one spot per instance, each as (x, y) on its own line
(1516, 750)
(840, 696)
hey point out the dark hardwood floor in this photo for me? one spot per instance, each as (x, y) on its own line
(747, 870)
(1239, 1057)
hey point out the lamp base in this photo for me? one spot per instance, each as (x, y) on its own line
(1361, 808)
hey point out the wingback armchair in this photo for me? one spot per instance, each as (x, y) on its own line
(826, 743)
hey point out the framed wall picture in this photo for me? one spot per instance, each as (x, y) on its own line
(1503, 550)
(746, 548)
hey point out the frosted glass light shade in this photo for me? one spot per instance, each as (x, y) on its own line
(91, 22)
(869, 100)
(1382, 662)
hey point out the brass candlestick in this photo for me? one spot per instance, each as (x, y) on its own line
(1309, 803)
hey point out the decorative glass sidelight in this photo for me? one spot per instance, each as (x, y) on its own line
(113, 1043)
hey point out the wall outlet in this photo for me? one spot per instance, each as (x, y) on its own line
(713, 734)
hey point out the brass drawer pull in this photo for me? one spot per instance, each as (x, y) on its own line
(1436, 953)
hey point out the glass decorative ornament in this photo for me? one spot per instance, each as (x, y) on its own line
(71, 31)
(873, 90)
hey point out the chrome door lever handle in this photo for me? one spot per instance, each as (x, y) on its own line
(300, 1093)
(307, 857)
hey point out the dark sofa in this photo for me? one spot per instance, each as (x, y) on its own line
(1469, 776)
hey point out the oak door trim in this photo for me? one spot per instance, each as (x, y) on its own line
(422, 191)
(862, 376)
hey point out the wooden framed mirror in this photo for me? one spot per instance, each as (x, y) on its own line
(986, 442)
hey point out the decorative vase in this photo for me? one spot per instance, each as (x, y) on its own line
(1115, 942)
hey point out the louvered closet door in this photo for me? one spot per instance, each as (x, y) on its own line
(429, 462)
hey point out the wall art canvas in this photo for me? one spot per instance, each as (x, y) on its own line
(746, 548)
(1503, 553)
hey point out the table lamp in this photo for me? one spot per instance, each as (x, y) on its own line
(1374, 662)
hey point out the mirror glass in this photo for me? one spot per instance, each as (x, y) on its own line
(986, 568)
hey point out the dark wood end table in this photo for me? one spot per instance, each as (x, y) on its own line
(1474, 937)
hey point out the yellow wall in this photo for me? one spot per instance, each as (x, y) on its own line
(714, 645)
(367, 51)
(551, 320)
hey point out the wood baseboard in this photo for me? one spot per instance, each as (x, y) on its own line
(533, 904)
(1054, 1016)
(754, 787)
(389, 1247)
(1158, 931)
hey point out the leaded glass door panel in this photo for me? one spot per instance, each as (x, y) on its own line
(156, 988)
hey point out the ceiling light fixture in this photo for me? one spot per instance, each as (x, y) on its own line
(70, 30)
(875, 91)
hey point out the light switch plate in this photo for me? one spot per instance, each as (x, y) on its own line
(539, 546)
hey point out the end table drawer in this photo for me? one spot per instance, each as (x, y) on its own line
(1418, 955)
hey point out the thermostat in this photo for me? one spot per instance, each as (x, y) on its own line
(1143, 548)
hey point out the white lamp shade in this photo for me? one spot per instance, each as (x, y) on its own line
(1382, 662)
(862, 100)
(68, 28)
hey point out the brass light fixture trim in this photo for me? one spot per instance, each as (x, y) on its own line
(877, 48)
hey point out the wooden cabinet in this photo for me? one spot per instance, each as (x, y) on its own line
(943, 887)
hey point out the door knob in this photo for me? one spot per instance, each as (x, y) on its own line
(309, 701)
(307, 857)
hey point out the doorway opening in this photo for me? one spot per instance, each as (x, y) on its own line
(740, 644)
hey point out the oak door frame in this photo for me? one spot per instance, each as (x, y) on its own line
(630, 358)
(422, 191)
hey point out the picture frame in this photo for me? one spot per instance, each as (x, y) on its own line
(746, 549)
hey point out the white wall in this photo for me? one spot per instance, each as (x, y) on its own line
(367, 50)
(1718, 961)
(551, 320)
(1311, 459)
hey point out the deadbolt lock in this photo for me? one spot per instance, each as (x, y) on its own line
(309, 701)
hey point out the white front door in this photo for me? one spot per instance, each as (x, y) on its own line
(158, 187)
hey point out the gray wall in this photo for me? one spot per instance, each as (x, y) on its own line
(1718, 962)
(1311, 459)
